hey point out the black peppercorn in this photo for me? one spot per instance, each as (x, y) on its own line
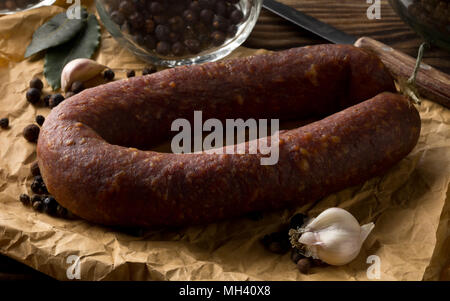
(232, 30)
(193, 45)
(304, 265)
(176, 23)
(35, 171)
(33, 95)
(50, 205)
(206, 3)
(220, 23)
(149, 26)
(4, 123)
(149, 70)
(36, 187)
(38, 206)
(206, 16)
(131, 73)
(218, 38)
(156, 7)
(221, 8)
(126, 7)
(109, 74)
(190, 16)
(61, 211)
(36, 198)
(297, 221)
(236, 16)
(178, 49)
(162, 32)
(296, 255)
(163, 48)
(194, 6)
(55, 100)
(31, 132)
(77, 87)
(36, 83)
(25, 199)
(47, 100)
(40, 119)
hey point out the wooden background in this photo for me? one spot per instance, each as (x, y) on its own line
(272, 32)
(350, 16)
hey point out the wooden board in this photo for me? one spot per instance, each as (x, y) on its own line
(350, 16)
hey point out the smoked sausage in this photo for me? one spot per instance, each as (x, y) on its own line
(93, 148)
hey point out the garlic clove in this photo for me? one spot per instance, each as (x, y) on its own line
(365, 230)
(79, 70)
(334, 236)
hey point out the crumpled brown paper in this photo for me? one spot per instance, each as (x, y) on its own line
(409, 205)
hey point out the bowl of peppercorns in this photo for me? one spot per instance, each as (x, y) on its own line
(14, 6)
(179, 32)
(429, 18)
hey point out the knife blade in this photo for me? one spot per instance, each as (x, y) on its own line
(309, 23)
(431, 83)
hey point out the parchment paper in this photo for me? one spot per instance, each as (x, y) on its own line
(409, 205)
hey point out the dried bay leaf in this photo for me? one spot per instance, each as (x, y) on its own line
(58, 30)
(81, 46)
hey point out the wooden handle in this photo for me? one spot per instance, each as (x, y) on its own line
(431, 83)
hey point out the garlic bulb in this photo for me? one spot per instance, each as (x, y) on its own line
(79, 70)
(334, 236)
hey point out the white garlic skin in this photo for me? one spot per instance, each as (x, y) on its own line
(334, 236)
(79, 70)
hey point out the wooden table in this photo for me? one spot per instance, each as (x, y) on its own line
(272, 32)
(349, 16)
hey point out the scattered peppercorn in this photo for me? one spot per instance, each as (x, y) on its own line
(55, 100)
(77, 87)
(61, 211)
(304, 265)
(40, 119)
(109, 74)
(38, 206)
(38, 185)
(297, 221)
(35, 171)
(50, 205)
(36, 83)
(36, 198)
(31, 132)
(33, 95)
(131, 73)
(25, 199)
(149, 70)
(47, 100)
(4, 123)
(296, 255)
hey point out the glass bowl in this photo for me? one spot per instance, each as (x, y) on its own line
(8, 7)
(429, 18)
(179, 32)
